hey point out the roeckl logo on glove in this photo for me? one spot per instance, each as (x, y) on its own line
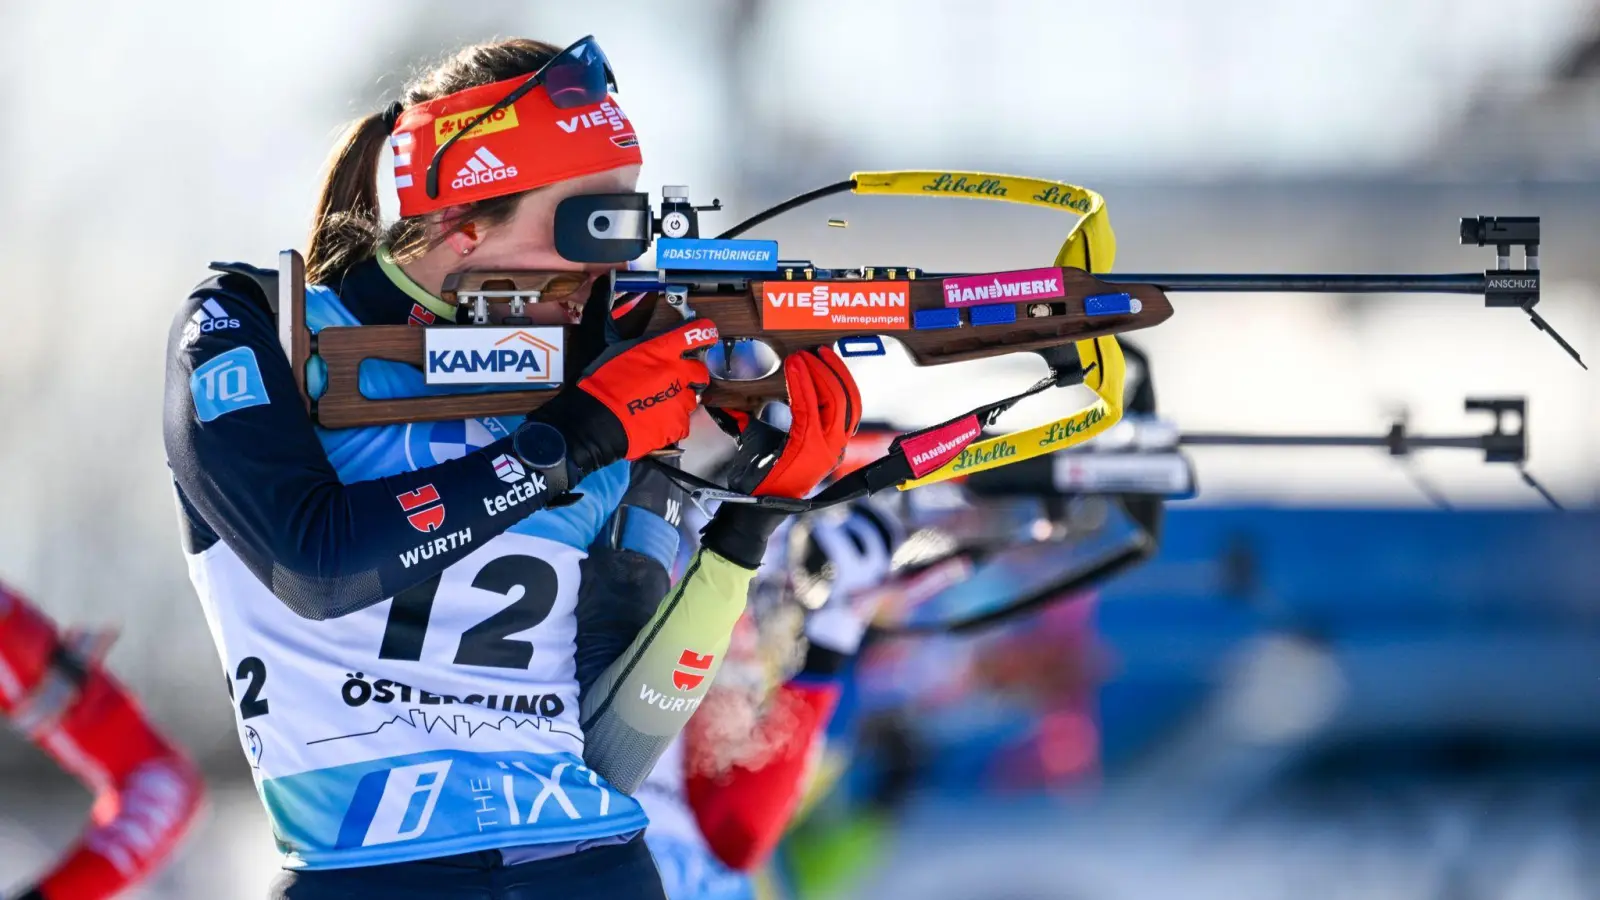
(696, 335)
(638, 406)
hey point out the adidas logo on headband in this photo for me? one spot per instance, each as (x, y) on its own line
(482, 167)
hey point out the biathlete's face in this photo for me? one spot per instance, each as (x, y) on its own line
(527, 239)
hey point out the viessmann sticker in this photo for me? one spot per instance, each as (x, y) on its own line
(493, 355)
(836, 305)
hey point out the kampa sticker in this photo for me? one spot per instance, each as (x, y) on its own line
(488, 355)
(836, 305)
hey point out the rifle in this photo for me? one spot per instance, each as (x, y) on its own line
(759, 304)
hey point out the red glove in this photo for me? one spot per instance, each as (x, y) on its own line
(637, 397)
(826, 409)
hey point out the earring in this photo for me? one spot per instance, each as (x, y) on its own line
(465, 250)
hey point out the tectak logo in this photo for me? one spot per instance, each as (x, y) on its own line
(522, 490)
(509, 470)
(482, 167)
(423, 507)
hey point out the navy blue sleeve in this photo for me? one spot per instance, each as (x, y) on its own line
(628, 570)
(248, 464)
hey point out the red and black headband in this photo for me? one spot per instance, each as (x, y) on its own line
(513, 135)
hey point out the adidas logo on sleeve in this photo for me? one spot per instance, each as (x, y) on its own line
(208, 318)
(482, 167)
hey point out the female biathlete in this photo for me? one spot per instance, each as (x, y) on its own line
(147, 791)
(404, 610)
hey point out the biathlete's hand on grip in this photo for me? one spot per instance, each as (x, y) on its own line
(637, 397)
(826, 410)
(825, 406)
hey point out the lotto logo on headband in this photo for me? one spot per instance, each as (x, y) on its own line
(836, 305)
(445, 127)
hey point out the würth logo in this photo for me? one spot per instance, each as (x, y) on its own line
(698, 667)
(638, 406)
(420, 315)
(424, 510)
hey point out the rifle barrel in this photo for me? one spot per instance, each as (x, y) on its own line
(1456, 283)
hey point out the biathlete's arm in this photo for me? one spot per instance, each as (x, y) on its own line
(147, 791)
(248, 465)
(640, 703)
(637, 706)
(628, 571)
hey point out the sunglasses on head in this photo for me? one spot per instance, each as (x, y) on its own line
(577, 76)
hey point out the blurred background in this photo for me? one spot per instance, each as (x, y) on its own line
(1324, 684)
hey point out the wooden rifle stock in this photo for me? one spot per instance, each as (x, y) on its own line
(1039, 324)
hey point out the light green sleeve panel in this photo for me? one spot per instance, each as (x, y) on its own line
(641, 702)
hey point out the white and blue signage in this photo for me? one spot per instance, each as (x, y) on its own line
(494, 355)
(704, 254)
